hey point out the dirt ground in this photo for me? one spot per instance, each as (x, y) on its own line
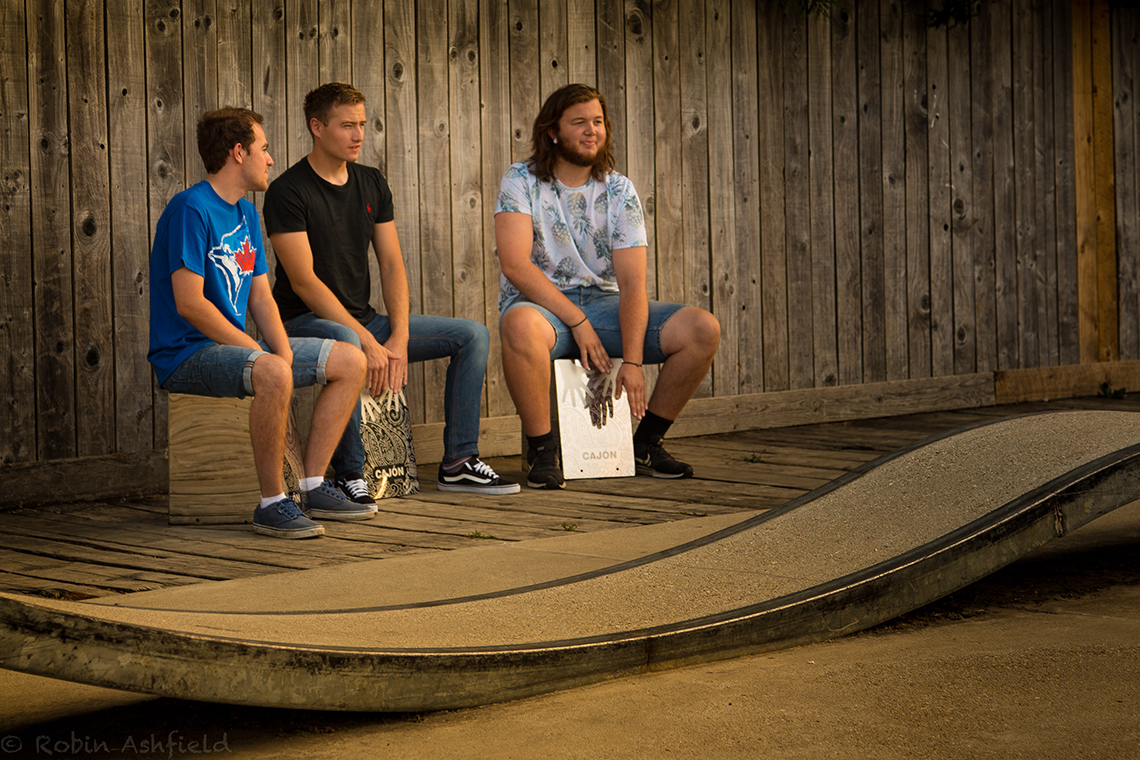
(1040, 660)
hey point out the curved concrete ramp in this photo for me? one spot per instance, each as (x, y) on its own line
(475, 626)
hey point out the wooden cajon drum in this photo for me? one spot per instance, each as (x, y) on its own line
(595, 436)
(212, 477)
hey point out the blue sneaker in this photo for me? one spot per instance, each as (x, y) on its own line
(328, 502)
(284, 519)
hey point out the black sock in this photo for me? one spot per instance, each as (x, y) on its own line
(651, 426)
(544, 441)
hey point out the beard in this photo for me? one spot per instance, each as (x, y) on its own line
(572, 156)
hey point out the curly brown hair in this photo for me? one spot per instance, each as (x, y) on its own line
(219, 131)
(545, 152)
(320, 102)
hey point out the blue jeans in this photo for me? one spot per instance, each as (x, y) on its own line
(601, 307)
(466, 342)
(226, 371)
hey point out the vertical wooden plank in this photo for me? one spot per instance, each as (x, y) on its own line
(1125, 126)
(368, 73)
(610, 46)
(941, 265)
(1029, 284)
(199, 77)
(640, 107)
(666, 109)
(694, 162)
(525, 88)
(982, 229)
(1107, 320)
(894, 189)
(302, 72)
(466, 180)
(797, 204)
(126, 109)
(268, 97)
(435, 184)
(773, 255)
(403, 161)
(235, 73)
(334, 41)
(1045, 183)
(495, 143)
(725, 275)
(961, 198)
(694, 154)
(1005, 240)
(51, 233)
(1068, 322)
(845, 139)
(91, 227)
(871, 191)
(552, 46)
(915, 115)
(1085, 179)
(821, 191)
(746, 183)
(581, 42)
(17, 340)
(165, 128)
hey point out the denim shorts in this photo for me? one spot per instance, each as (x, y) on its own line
(601, 307)
(227, 371)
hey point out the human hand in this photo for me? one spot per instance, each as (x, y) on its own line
(378, 358)
(631, 378)
(397, 364)
(593, 354)
(599, 397)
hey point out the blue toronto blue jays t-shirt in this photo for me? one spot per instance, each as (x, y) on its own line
(218, 240)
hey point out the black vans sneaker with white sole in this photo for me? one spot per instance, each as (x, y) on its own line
(474, 476)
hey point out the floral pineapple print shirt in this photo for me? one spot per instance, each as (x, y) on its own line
(576, 229)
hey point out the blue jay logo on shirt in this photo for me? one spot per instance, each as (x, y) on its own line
(235, 258)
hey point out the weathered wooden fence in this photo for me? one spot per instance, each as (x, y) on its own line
(860, 199)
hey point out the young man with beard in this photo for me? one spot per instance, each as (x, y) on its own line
(208, 273)
(572, 245)
(322, 215)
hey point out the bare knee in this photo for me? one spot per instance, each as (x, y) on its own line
(346, 362)
(694, 329)
(272, 377)
(525, 331)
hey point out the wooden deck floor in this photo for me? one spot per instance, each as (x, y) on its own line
(84, 550)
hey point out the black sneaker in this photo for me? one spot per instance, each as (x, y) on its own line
(653, 459)
(356, 489)
(474, 476)
(545, 469)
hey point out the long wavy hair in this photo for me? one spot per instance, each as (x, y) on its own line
(545, 152)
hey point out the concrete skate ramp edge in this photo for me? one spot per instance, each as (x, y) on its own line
(892, 536)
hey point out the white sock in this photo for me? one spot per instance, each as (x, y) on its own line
(267, 500)
(308, 484)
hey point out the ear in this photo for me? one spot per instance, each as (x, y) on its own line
(238, 153)
(315, 127)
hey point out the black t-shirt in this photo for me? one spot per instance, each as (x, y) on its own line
(339, 220)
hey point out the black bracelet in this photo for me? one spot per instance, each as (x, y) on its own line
(580, 323)
(632, 364)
